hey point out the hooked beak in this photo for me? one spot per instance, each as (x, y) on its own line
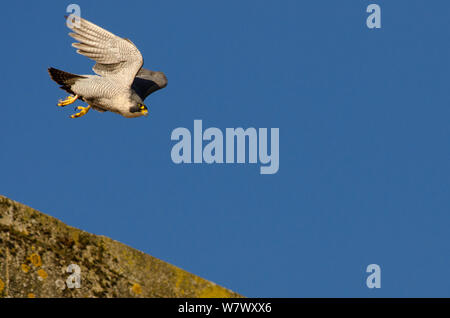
(145, 112)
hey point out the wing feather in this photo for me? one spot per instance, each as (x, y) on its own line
(114, 56)
(148, 82)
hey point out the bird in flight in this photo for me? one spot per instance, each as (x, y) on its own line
(121, 84)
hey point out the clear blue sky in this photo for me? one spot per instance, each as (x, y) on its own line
(364, 140)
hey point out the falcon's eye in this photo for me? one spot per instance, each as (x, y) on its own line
(142, 106)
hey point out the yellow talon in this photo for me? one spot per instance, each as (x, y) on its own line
(69, 100)
(83, 111)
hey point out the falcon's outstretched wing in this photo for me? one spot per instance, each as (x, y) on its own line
(147, 82)
(115, 56)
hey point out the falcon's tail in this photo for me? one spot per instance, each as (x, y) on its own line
(66, 80)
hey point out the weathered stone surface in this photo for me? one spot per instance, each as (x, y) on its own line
(36, 250)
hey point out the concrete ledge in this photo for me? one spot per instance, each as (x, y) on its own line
(36, 250)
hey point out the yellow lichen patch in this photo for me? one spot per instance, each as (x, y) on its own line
(35, 259)
(75, 235)
(137, 289)
(31, 295)
(182, 277)
(2, 285)
(214, 291)
(25, 268)
(186, 283)
(42, 274)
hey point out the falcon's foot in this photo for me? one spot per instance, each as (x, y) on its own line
(69, 100)
(83, 111)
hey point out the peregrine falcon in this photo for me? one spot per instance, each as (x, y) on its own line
(121, 83)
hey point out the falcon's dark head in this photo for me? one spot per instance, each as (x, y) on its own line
(139, 108)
